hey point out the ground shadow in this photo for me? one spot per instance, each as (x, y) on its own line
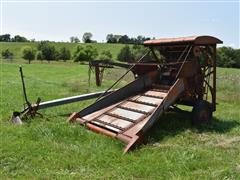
(172, 123)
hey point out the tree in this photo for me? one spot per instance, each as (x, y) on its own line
(138, 51)
(39, 55)
(237, 62)
(79, 54)
(87, 36)
(125, 54)
(18, 38)
(74, 39)
(87, 53)
(140, 39)
(226, 57)
(49, 51)
(105, 55)
(117, 37)
(64, 54)
(91, 52)
(28, 53)
(57, 55)
(111, 38)
(124, 39)
(6, 54)
(5, 38)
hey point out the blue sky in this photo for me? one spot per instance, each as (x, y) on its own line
(58, 21)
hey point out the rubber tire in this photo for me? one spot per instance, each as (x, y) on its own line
(201, 113)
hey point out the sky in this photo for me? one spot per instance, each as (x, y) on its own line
(58, 21)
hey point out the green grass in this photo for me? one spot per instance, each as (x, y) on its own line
(49, 147)
(16, 47)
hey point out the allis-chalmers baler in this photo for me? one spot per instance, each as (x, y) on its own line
(180, 71)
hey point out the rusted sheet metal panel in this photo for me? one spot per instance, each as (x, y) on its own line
(184, 40)
(100, 130)
(106, 126)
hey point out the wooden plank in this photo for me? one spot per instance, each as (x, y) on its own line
(119, 117)
(133, 109)
(144, 103)
(149, 99)
(126, 113)
(123, 124)
(138, 106)
(155, 94)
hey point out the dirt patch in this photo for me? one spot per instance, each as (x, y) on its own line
(227, 142)
(159, 145)
(219, 141)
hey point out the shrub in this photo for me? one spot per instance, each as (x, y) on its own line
(49, 51)
(87, 53)
(125, 54)
(64, 54)
(105, 55)
(138, 51)
(79, 54)
(39, 55)
(6, 54)
(28, 53)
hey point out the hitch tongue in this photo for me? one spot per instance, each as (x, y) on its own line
(16, 118)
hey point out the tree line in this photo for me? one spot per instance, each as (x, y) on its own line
(111, 38)
(124, 39)
(228, 57)
(86, 38)
(8, 38)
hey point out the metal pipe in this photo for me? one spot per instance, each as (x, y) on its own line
(23, 86)
(58, 102)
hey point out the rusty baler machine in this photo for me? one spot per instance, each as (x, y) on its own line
(182, 71)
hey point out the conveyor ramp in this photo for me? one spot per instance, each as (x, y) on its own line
(129, 112)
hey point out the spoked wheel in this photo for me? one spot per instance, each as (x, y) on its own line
(201, 113)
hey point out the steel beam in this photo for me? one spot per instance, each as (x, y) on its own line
(58, 102)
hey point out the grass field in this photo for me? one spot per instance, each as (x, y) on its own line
(49, 147)
(16, 47)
